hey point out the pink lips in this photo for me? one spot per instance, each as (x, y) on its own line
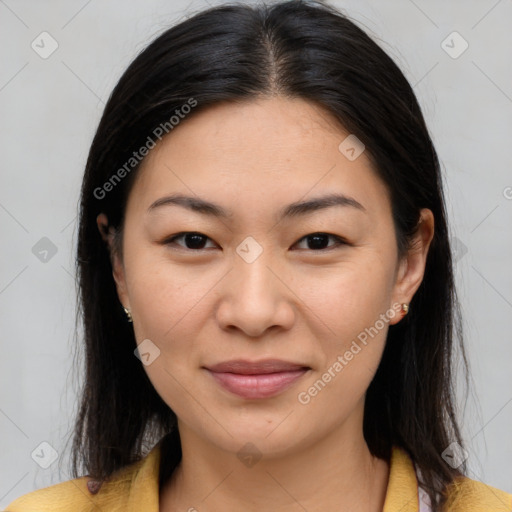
(261, 379)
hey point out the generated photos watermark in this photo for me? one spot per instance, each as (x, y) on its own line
(161, 130)
(305, 397)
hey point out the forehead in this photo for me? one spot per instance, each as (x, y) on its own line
(254, 154)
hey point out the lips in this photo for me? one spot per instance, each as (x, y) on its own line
(261, 379)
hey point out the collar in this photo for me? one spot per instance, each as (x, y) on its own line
(402, 491)
(401, 494)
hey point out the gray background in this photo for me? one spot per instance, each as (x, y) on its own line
(50, 109)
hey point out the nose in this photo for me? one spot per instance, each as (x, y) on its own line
(255, 297)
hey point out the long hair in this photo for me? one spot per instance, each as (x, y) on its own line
(236, 52)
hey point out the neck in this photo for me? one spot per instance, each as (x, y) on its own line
(337, 473)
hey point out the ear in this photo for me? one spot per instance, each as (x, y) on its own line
(412, 266)
(107, 233)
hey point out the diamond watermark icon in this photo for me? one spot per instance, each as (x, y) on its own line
(454, 45)
(249, 455)
(351, 147)
(454, 455)
(249, 250)
(44, 250)
(147, 352)
(44, 45)
(459, 249)
(44, 455)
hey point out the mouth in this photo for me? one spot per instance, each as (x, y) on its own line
(253, 380)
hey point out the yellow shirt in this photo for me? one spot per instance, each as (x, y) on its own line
(135, 489)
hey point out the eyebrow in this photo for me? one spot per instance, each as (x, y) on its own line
(292, 210)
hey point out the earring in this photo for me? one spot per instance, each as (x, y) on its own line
(128, 314)
(405, 309)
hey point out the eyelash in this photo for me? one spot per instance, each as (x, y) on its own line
(339, 240)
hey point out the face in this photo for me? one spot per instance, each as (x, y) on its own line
(316, 287)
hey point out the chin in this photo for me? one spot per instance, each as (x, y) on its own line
(261, 437)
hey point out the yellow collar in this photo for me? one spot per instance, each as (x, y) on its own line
(401, 495)
(402, 491)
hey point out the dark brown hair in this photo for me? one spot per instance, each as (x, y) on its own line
(236, 52)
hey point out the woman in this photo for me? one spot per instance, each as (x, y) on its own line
(266, 370)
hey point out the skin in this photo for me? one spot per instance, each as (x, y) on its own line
(294, 302)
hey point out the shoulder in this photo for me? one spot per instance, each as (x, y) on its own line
(80, 495)
(467, 494)
(463, 494)
(70, 495)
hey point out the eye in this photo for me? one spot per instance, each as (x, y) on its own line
(317, 241)
(193, 240)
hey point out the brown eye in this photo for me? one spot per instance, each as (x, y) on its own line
(319, 241)
(192, 240)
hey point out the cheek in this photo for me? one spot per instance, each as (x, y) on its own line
(351, 296)
(355, 309)
(165, 296)
(352, 313)
(168, 310)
